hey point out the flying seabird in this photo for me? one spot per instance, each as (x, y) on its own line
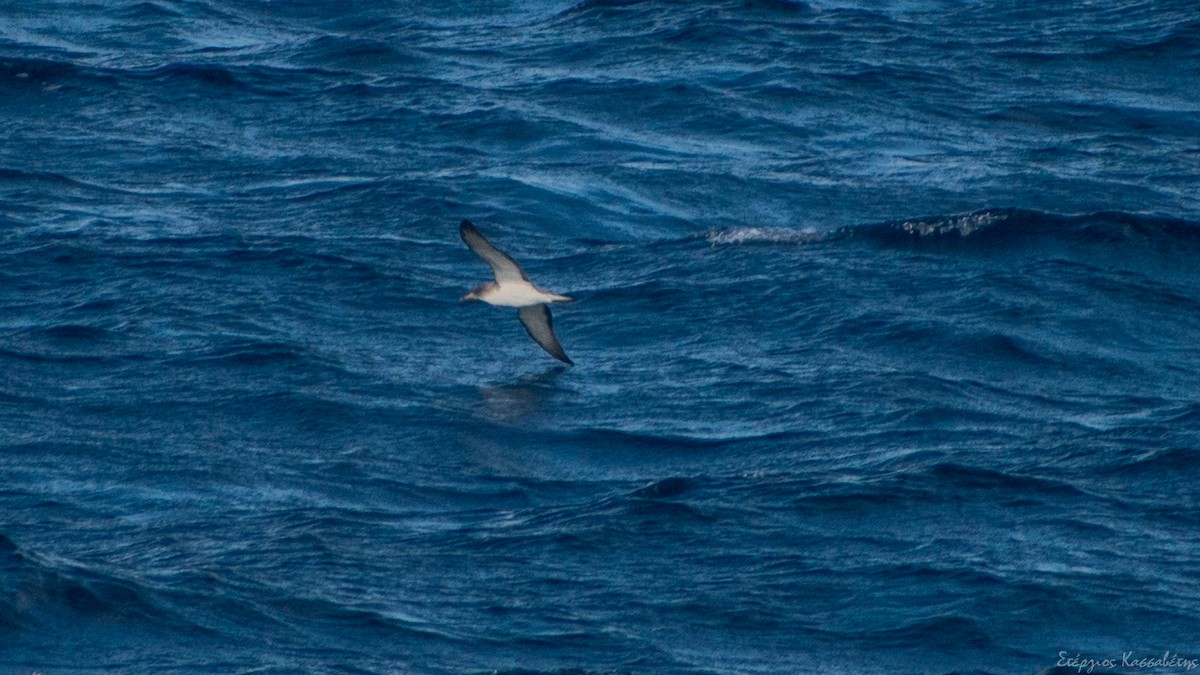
(513, 289)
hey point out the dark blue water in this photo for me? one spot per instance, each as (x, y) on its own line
(887, 326)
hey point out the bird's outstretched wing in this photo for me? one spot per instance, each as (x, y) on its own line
(503, 266)
(540, 326)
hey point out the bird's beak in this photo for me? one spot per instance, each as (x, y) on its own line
(468, 296)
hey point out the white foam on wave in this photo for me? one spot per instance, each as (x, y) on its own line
(963, 225)
(771, 235)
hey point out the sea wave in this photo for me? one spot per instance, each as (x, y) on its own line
(988, 228)
(41, 592)
(885, 326)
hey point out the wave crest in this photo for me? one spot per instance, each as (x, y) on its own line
(999, 226)
(990, 227)
(769, 235)
(963, 226)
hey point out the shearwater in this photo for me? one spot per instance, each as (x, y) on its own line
(513, 289)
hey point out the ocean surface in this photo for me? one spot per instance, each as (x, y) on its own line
(886, 324)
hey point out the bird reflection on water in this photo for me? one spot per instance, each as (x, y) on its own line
(520, 400)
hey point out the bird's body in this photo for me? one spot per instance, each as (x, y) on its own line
(513, 289)
(515, 294)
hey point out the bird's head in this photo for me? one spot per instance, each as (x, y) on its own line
(476, 292)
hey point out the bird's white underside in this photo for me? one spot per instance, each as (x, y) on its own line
(518, 294)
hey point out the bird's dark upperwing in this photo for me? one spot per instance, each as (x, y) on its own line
(539, 324)
(503, 267)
